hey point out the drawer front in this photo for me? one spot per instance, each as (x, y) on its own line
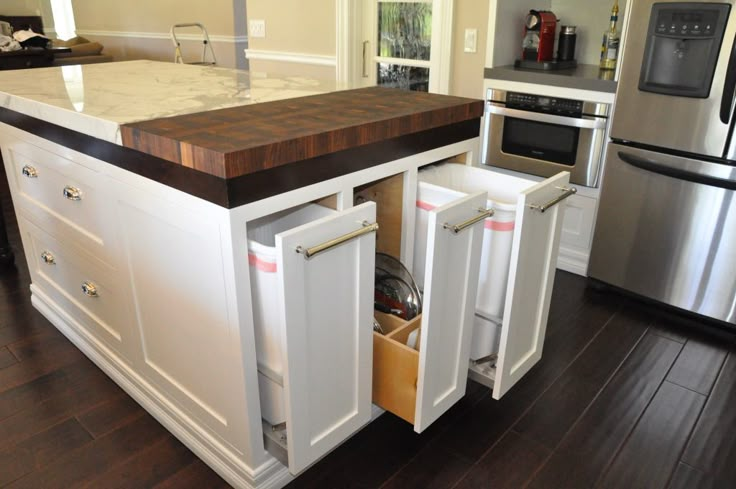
(62, 196)
(81, 285)
(327, 304)
(420, 366)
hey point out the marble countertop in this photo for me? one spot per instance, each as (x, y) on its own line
(97, 99)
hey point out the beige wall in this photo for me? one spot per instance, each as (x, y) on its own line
(295, 26)
(114, 24)
(466, 79)
(155, 15)
(20, 7)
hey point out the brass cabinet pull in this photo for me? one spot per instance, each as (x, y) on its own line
(456, 228)
(566, 192)
(72, 193)
(48, 258)
(315, 250)
(29, 171)
(89, 289)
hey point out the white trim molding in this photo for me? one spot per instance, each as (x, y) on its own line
(163, 35)
(303, 58)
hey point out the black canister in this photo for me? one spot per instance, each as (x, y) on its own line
(566, 43)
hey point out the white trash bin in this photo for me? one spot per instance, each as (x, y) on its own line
(441, 184)
(264, 293)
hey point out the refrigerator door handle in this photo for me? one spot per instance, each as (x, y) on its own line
(729, 86)
(678, 173)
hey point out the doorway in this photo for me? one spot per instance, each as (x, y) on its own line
(399, 43)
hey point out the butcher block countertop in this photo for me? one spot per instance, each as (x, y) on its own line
(237, 141)
(228, 136)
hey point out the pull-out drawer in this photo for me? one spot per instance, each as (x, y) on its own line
(529, 286)
(324, 298)
(421, 383)
(81, 285)
(63, 197)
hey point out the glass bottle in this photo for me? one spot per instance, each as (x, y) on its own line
(611, 41)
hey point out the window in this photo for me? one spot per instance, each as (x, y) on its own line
(63, 19)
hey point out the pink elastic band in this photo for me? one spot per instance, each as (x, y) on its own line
(489, 224)
(262, 265)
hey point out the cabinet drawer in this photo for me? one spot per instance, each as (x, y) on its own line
(422, 382)
(80, 284)
(62, 196)
(324, 303)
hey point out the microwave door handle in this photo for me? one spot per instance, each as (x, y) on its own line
(674, 172)
(596, 123)
(729, 86)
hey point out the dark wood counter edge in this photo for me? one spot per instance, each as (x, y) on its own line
(234, 192)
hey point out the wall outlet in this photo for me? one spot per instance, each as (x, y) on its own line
(471, 40)
(256, 28)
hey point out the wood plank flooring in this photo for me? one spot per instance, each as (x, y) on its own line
(625, 396)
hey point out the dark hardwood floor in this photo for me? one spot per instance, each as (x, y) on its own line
(625, 396)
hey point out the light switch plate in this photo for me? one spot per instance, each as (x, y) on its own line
(256, 28)
(471, 40)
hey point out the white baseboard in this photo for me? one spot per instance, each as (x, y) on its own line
(270, 475)
(573, 261)
(303, 58)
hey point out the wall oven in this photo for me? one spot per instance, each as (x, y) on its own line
(543, 135)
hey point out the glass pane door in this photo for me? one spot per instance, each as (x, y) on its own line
(399, 53)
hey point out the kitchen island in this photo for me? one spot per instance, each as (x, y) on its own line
(141, 188)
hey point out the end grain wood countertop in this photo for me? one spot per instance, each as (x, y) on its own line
(237, 141)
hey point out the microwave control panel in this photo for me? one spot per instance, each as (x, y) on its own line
(539, 103)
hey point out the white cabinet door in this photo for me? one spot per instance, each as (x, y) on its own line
(531, 277)
(450, 287)
(328, 343)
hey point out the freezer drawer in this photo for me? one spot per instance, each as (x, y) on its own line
(666, 230)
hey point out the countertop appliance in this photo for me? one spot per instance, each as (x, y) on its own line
(666, 227)
(540, 28)
(543, 135)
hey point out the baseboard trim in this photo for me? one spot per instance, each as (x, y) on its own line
(163, 35)
(303, 58)
(573, 261)
(269, 475)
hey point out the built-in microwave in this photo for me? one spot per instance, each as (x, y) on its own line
(543, 135)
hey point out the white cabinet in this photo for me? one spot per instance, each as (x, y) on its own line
(420, 384)
(325, 290)
(169, 311)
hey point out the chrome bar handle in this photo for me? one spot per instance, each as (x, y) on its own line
(48, 258)
(89, 289)
(566, 192)
(365, 53)
(72, 193)
(316, 250)
(29, 171)
(456, 228)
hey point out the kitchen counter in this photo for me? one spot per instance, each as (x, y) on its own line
(227, 136)
(583, 77)
(211, 247)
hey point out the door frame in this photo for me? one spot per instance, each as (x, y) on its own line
(349, 54)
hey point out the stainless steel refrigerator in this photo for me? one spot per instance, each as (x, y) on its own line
(666, 227)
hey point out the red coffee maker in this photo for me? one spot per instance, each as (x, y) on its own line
(540, 27)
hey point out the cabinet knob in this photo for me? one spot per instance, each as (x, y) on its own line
(72, 193)
(48, 258)
(89, 289)
(29, 171)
